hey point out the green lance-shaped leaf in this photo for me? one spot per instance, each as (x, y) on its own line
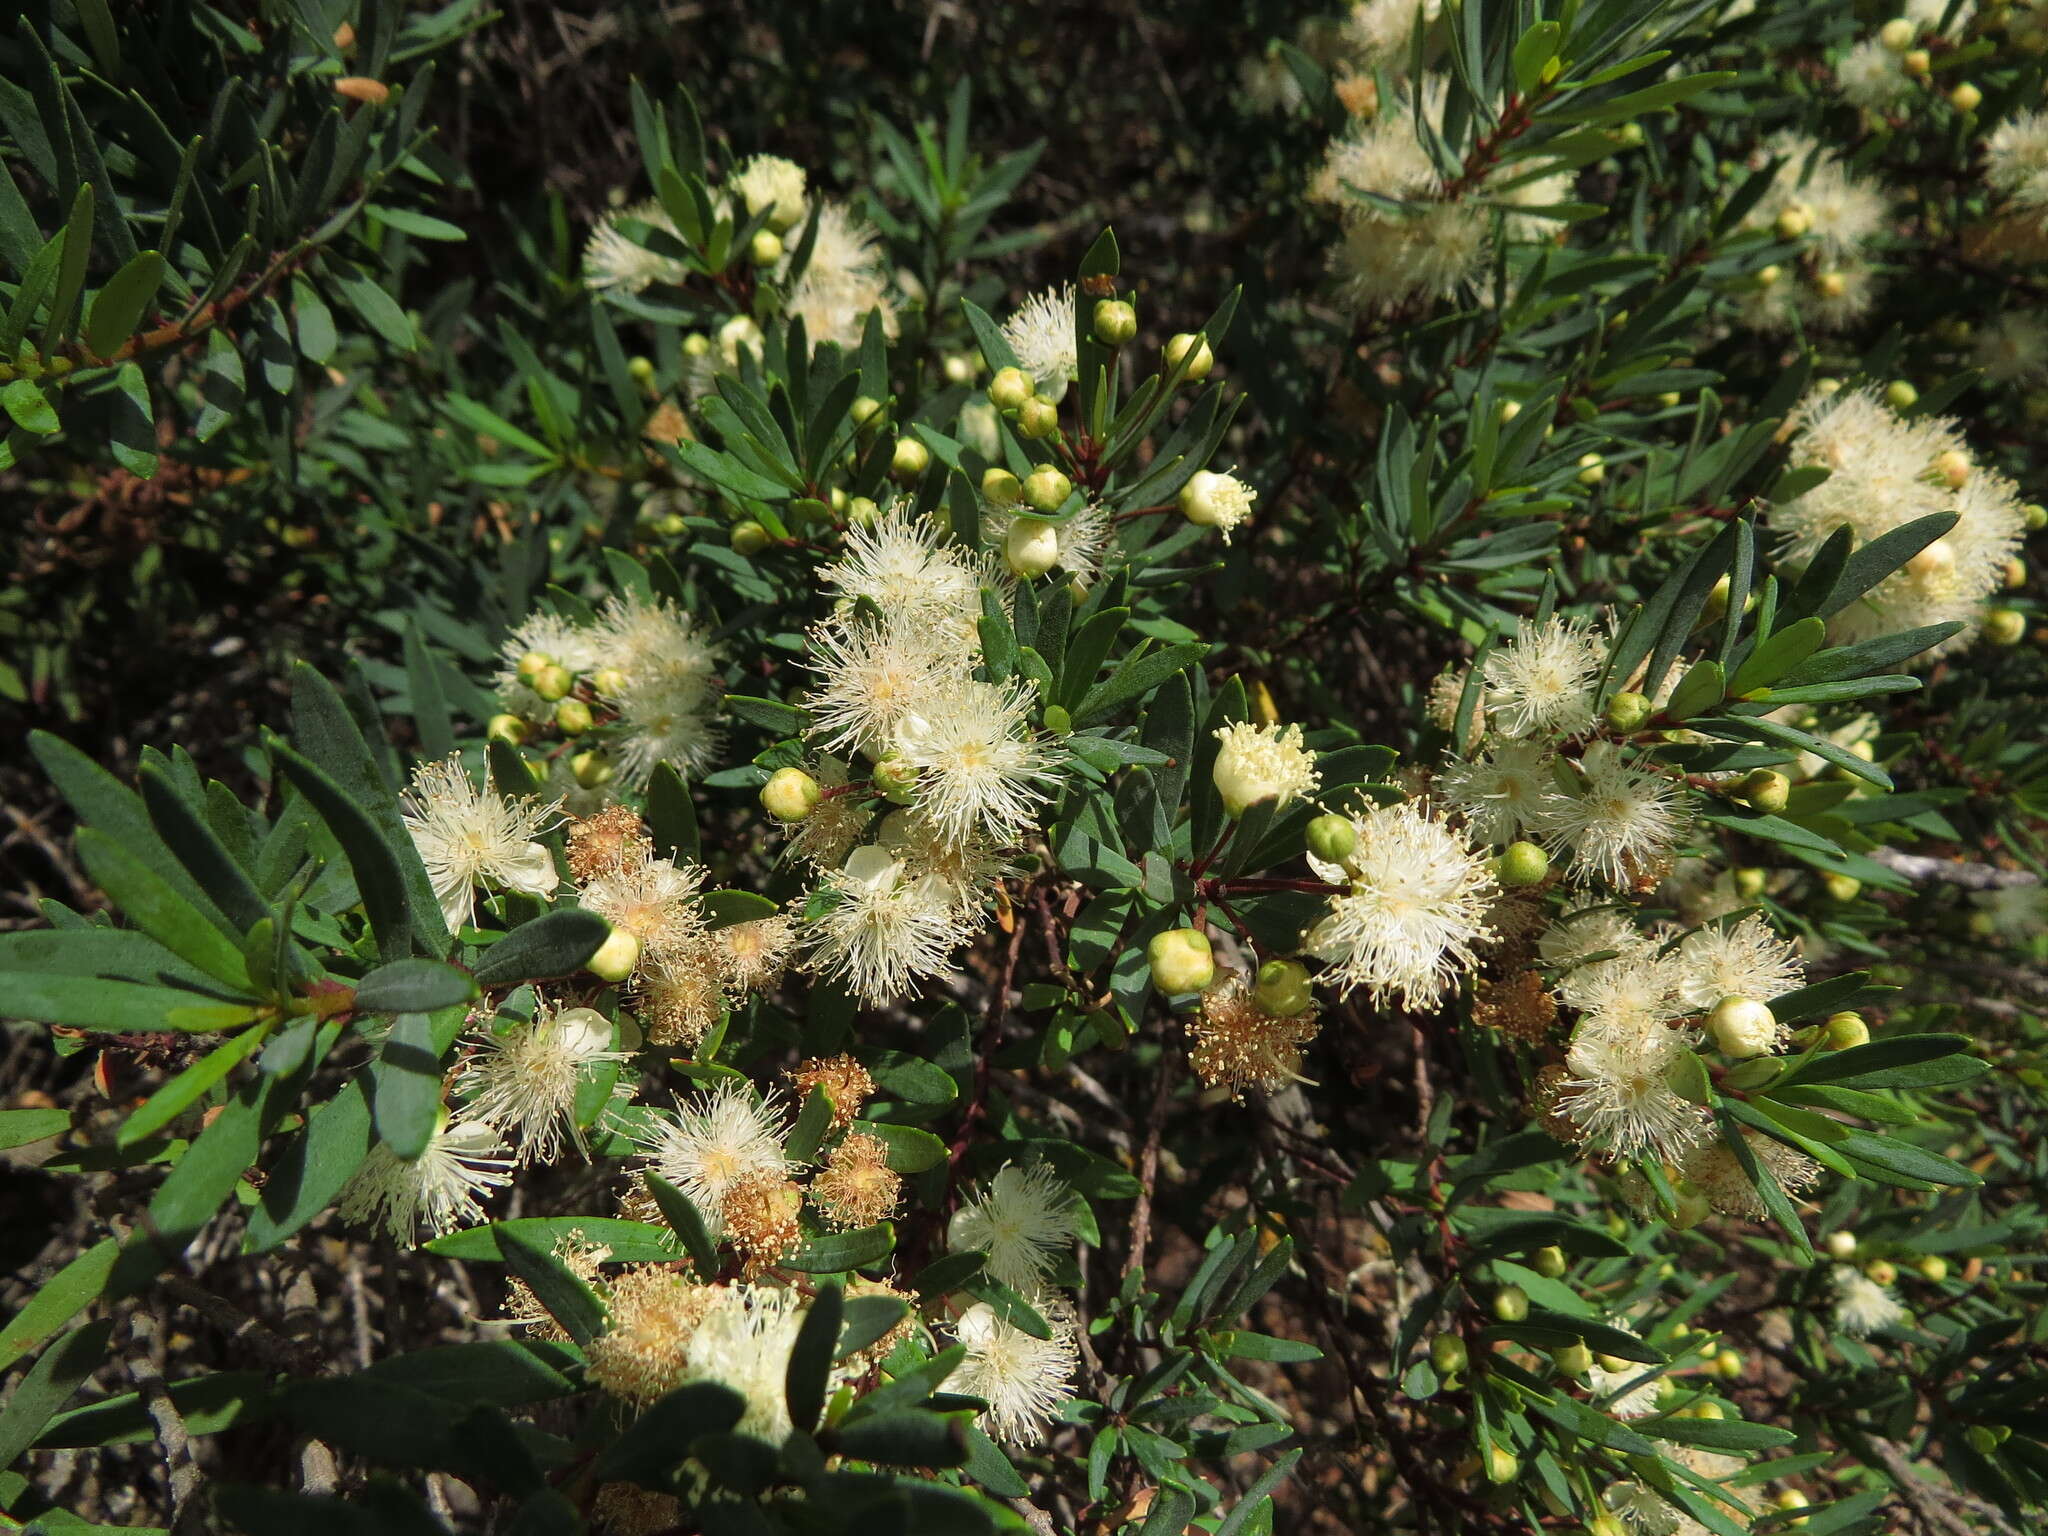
(868, 1320)
(378, 875)
(832, 1252)
(809, 1372)
(656, 1443)
(414, 985)
(910, 1438)
(405, 1086)
(555, 944)
(568, 1300)
(681, 1213)
(49, 1384)
(184, 1090)
(117, 309)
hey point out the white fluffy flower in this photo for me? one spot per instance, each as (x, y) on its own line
(844, 280)
(436, 1191)
(2012, 347)
(466, 837)
(715, 1140)
(870, 676)
(980, 767)
(1617, 1095)
(771, 183)
(1877, 465)
(1502, 793)
(1080, 542)
(1024, 1380)
(1415, 907)
(884, 925)
(1743, 959)
(523, 1082)
(744, 1342)
(572, 646)
(1255, 763)
(2016, 159)
(1541, 681)
(614, 259)
(1385, 258)
(1024, 1219)
(1622, 825)
(1872, 76)
(1842, 211)
(1222, 502)
(898, 563)
(1041, 334)
(653, 899)
(1862, 1306)
(1628, 999)
(1383, 31)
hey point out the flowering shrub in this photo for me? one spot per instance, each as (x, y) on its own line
(1391, 883)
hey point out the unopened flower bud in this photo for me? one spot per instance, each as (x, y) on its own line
(1767, 790)
(1841, 1245)
(1511, 1304)
(765, 249)
(1283, 988)
(862, 512)
(1742, 1026)
(573, 717)
(1965, 97)
(1000, 488)
(1010, 388)
(616, 956)
(1200, 363)
(1842, 888)
(1521, 864)
(1182, 961)
(960, 368)
(1549, 1262)
(1626, 712)
(608, 682)
(1507, 410)
(552, 682)
(1900, 395)
(1031, 547)
(790, 794)
(1116, 322)
(1845, 1031)
(1728, 1364)
(509, 729)
(865, 410)
(1502, 1465)
(1037, 418)
(895, 778)
(909, 460)
(2005, 626)
(533, 663)
(1917, 61)
(1880, 1272)
(1448, 1353)
(1793, 221)
(1046, 489)
(748, 538)
(593, 770)
(1749, 882)
(1898, 34)
(641, 370)
(1573, 1359)
(1332, 838)
(2035, 516)
(1932, 1267)
(2015, 574)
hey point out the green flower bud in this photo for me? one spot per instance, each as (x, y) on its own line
(1203, 360)
(1573, 1359)
(2005, 626)
(641, 369)
(1749, 882)
(1742, 1026)
(1502, 1465)
(790, 794)
(1767, 790)
(1842, 888)
(2035, 516)
(1031, 547)
(1046, 489)
(866, 410)
(1550, 1262)
(1793, 221)
(1900, 395)
(1880, 1272)
(1182, 961)
(909, 461)
(748, 538)
(552, 682)
(862, 512)
(1283, 988)
(533, 663)
(1841, 1245)
(1116, 322)
(1626, 712)
(1511, 1304)
(1449, 1354)
(1521, 864)
(608, 682)
(572, 717)
(765, 249)
(593, 769)
(616, 956)
(1037, 417)
(1332, 838)
(1845, 1030)
(895, 778)
(1000, 488)
(509, 729)
(1010, 388)
(1932, 1267)
(1729, 1365)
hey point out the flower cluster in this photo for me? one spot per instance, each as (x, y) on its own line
(1836, 215)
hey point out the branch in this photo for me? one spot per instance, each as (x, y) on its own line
(1971, 877)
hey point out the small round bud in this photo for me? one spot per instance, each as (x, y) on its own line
(1841, 1245)
(696, 344)
(1031, 547)
(1749, 882)
(1116, 322)
(1842, 888)
(593, 769)
(1508, 410)
(1046, 489)
(1952, 468)
(2015, 574)
(865, 410)
(1793, 221)
(1728, 1364)
(1767, 790)
(960, 367)
(1550, 1262)
(1521, 864)
(1917, 61)
(1037, 418)
(1669, 398)
(533, 663)
(1769, 276)
(1010, 388)
(552, 682)
(1511, 1304)
(1447, 1352)
(1981, 1439)
(1844, 1031)
(1000, 488)
(1502, 1465)
(1831, 285)
(1573, 1359)
(765, 249)
(1742, 1026)
(1332, 838)
(909, 460)
(1965, 97)
(1283, 988)
(1932, 1267)
(2005, 626)
(1788, 1499)
(1880, 1272)
(1626, 712)
(896, 779)
(2035, 516)
(1200, 362)
(641, 369)
(572, 717)
(509, 729)
(1182, 961)
(1058, 721)
(748, 538)
(862, 512)
(1900, 395)
(608, 682)
(1898, 34)
(616, 956)
(790, 794)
